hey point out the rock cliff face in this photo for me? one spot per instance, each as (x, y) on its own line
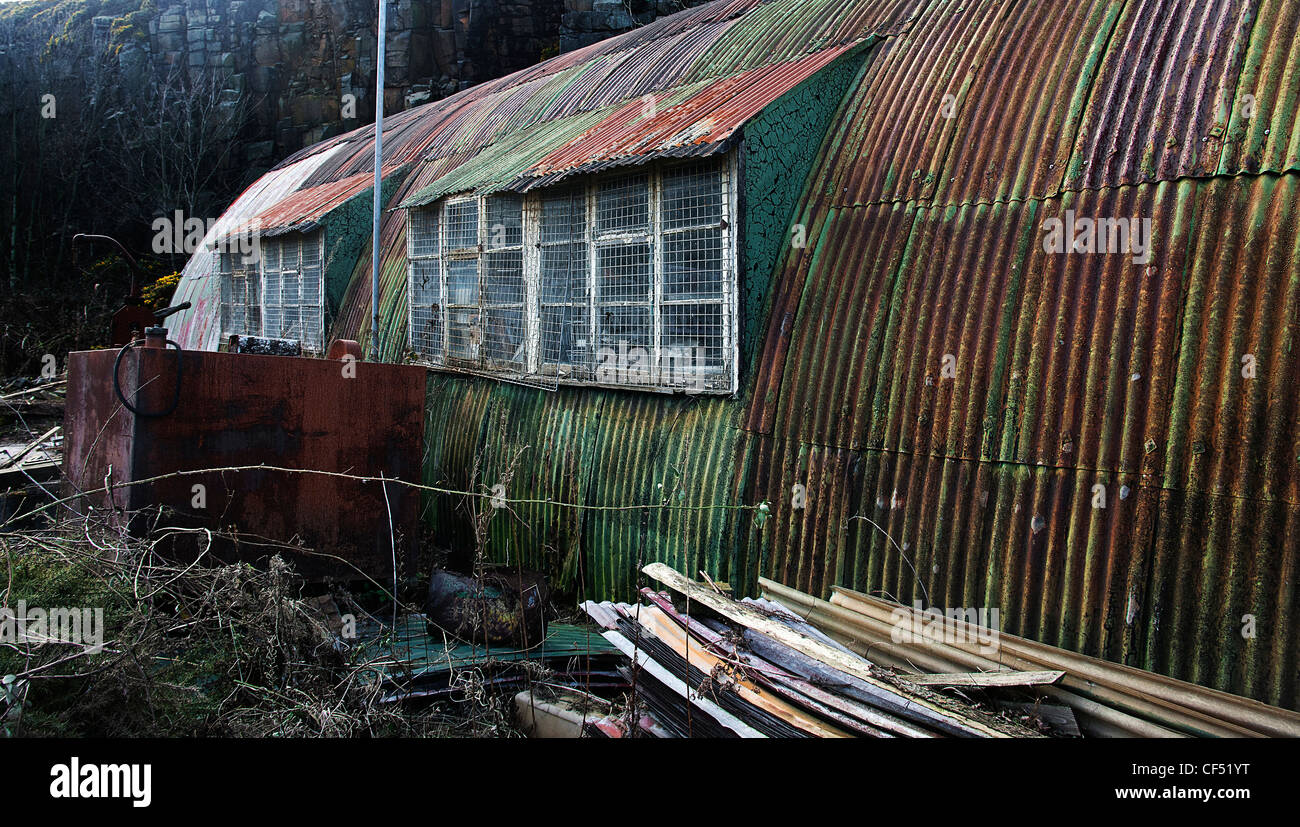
(307, 67)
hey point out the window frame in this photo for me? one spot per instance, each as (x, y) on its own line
(232, 264)
(536, 370)
(316, 346)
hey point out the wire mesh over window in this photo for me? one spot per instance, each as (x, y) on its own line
(628, 280)
(293, 289)
(241, 294)
(564, 294)
(503, 293)
(460, 262)
(693, 332)
(624, 289)
(424, 265)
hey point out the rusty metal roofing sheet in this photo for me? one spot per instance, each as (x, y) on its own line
(1069, 371)
(1156, 111)
(1016, 115)
(892, 143)
(301, 211)
(694, 121)
(1264, 120)
(710, 115)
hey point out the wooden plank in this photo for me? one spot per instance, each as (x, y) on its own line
(1188, 708)
(897, 700)
(789, 618)
(654, 620)
(984, 679)
(33, 389)
(665, 677)
(1099, 720)
(780, 679)
(1060, 718)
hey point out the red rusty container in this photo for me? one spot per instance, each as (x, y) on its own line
(347, 417)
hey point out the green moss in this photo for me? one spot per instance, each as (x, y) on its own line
(781, 145)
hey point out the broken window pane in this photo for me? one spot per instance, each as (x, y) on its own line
(426, 307)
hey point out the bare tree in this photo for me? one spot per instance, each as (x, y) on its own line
(175, 143)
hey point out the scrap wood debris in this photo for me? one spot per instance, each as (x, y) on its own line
(791, 665)
(1071, 693)
(754, 669)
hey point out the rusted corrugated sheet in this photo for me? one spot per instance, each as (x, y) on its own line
(301, 211)
(1157, 109)
(1015, 117)
(572, 446)
(692, 122)
(707, 117)
(1069, 371)
(892, 144)
(1264, 120)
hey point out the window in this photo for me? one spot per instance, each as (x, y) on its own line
(425, 262)
(627, 281)
(472, 251)
(565, 313)
(241, 299)
(503, 285)
(293, 289)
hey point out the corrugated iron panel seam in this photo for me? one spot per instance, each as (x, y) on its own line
(1139, 478)
(927, 202)
(1092, 83)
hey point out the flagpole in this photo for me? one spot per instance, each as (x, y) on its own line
(380, 37)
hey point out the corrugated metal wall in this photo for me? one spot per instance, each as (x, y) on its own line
(1071, 370)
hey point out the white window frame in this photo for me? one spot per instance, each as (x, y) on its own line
(535, 370)
(232, 266)
(315, 342)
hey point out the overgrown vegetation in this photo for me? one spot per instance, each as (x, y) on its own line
(202, 648)
(97, 139)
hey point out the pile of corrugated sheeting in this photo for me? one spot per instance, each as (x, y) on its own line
(416, 660)
(1105, 699)
(717, 667)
